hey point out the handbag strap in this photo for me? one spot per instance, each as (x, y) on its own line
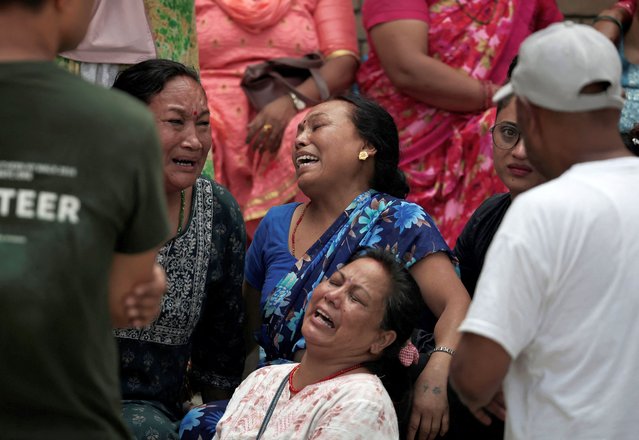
(319, 81)
(312, 62)
(271, 408)
(321, 84)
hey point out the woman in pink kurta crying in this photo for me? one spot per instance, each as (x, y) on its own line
(352, 382)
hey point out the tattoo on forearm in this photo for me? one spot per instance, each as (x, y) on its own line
(437, 390)
(425, 388)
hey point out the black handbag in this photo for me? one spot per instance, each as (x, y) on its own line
(267, 81)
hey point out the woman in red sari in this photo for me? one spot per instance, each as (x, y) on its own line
(433, 65)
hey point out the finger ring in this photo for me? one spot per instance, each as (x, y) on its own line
(266, 128)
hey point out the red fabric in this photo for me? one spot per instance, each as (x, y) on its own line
(376, 12)
(630, 6)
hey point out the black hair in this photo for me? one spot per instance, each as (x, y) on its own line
(403, 308)
(32, 4)
(502, 104)
(146, 79)
(377, 128)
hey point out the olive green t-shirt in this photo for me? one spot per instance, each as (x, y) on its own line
(80, 179)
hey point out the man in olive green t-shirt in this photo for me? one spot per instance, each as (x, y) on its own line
(82, 212)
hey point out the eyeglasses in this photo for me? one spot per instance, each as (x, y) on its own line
(505, 135)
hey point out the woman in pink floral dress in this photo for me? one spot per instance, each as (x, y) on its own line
(434, 65)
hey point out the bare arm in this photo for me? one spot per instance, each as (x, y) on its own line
(609, 28)
(402, 48)
(446, 297)
(477, 372)
(136, 287)
(339, 74)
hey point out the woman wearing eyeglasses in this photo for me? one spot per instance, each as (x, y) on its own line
(515, 171)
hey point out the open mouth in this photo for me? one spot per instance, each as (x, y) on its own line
(328, 321)
(184, 163)
(305, 160)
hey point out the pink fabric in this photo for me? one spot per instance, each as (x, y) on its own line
(351, 407)
(630, 6)
(255, 15)
(119, 33)
(259, 182)
(408, 355)
(447, 156)
(378, 12)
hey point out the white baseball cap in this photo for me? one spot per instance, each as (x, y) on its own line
(556, 63)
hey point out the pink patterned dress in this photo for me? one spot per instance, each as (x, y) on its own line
(446, 155)
(233, 34)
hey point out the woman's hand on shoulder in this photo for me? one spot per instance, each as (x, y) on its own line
(430, 417)
(266, 130)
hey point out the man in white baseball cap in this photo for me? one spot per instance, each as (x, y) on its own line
(554, 316)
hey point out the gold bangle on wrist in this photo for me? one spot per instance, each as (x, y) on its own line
(340, 53)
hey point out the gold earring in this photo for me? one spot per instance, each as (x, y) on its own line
(363, 155)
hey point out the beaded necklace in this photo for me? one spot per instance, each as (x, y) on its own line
(181, 217)
(291, 375)
(475, 18)
(297, 224)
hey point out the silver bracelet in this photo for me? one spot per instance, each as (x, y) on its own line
(443, 349)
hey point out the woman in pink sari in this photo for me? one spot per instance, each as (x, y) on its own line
(252, 150)
(433, 65)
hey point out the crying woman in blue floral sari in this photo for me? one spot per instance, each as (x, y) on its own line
(346, 157)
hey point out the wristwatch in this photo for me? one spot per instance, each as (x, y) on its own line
(297, 102)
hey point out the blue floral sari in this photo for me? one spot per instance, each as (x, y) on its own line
(373, 219)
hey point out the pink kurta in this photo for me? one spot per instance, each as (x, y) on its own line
(258, 181)
(352, 407)
(447, 156)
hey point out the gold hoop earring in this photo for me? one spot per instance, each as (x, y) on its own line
(363, 155)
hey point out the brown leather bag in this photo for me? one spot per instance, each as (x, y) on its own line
(267, 81)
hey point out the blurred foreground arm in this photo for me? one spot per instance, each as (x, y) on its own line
(136, 287)
(477, 372)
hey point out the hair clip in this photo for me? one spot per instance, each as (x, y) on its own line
(408, 355)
